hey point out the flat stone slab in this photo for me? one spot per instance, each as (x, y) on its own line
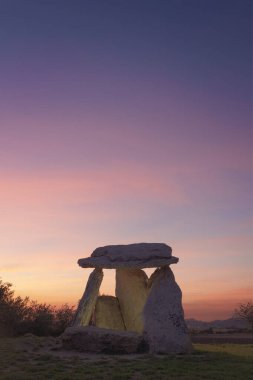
(137, 251)
(106, 263)
(99, 340)
(141, 255)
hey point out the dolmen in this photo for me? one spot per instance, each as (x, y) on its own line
(146, 314)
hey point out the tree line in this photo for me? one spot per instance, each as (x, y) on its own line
(19, 315)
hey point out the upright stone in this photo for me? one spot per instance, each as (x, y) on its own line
(131, 291)
(164, 325)
(107, 313)
(88, 301)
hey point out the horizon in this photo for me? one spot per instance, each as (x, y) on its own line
(123, 122)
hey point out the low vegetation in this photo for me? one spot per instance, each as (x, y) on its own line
(245, 312)
(22, 315)
(33, 351)
(30, 357)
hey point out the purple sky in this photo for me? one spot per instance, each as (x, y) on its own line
(127, 121)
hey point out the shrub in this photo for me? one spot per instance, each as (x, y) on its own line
(12, 309)
(21, 315)
(63, 317)
(245, 312)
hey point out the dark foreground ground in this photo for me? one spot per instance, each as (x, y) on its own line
(33, 358)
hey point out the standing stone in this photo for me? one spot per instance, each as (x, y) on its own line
(107, 313)
(131, 291)
(164, 324)
(88, 301)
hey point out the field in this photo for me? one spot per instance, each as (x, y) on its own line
(33, 358)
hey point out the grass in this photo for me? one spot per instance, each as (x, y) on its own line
(31, 358)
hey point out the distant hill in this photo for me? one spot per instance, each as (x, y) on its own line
(231, 323)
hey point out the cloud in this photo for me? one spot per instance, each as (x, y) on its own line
(89, 186)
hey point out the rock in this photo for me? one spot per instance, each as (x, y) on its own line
(141, 255)
(106, 263)
(164, 325)
(88, 301)
(131, 291)
(131, 252)
(107, 313)
(153, 276)
(97, 340)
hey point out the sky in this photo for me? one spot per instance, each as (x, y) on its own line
(125, 121)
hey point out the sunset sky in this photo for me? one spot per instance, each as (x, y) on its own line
(125, 121)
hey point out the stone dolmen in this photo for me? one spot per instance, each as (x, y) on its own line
(145, 315)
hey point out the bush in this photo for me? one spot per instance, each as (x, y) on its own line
(63, 318)
(12, 309)
(21, 315)
(245, 312)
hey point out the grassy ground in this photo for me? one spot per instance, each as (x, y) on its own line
(33, 358)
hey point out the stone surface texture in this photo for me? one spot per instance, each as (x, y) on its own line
(107, 313)
(164, 325)
(151, 307)
(141, 255)
(98, 340)
(88, 301)
(133, 251)
(131, 291)
(106, 263)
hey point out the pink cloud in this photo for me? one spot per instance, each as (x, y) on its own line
(95, 185)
